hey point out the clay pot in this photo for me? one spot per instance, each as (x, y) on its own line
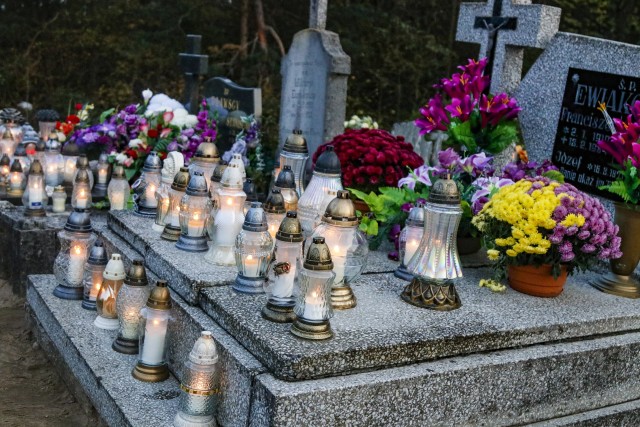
(360, 205)
(628, 219)
(468, 245)
(536, 281)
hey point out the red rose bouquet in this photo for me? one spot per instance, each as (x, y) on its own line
(372, 158)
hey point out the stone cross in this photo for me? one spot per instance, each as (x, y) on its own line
(193, 65)
(318, 14)
(503, 28)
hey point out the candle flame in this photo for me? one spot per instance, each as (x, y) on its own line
(336, 249)
(82, 193)
(77, 250)
(229, 201)
(196, 216)
(156, 322)
(314, 294)
(249, 257)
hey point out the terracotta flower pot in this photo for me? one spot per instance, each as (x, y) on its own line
(360, 205)
(536, 281)
(468, 245)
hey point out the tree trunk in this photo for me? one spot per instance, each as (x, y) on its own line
(244, 28)
(262, 35)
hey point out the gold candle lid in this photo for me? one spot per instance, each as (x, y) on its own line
(160, 298)
(318, 256)
(341, 211)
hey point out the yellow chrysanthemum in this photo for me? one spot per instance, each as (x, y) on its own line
(493, 254)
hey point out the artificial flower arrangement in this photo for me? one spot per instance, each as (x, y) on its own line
(73, 122)
(357, 122)
(473, 120)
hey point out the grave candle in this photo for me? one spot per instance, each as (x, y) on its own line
(81, 201)
(76, 264)
(150, 194)
(5, 164)
(81, 195)
(117, 201)
(409, 240)
(16, 179)
(295, 154)
(205, 160)
(102, 176)
(118, 190)
(145, 187)
(252, 251)
(70, 154)
(59, 198)
(155, 333)
(313, 306)
(113, 278)
(132, 297)
(274, 208)
(34, 198)
(196, 224)
(195, 208)
(93, 270)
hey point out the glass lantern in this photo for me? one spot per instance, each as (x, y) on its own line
(8, 142)
(35, 197)
(236, 159)
(348, 245)
(81, 195)
(39, 154)
(5, 166)
(47, 119)
(283, 273)
(118, 190)
(144, 189)
(205, 160)
(249, 189)
(152, 362)
(198, 385)
(53, 162)
(103, 168)
(313, 302)
(216, 178)
(93, 271)
(83, 163)
(59, 200)
(16, 180)
(195, 208)
(253, 252)
(287, 185)
(172, 230)
(410, 237)
(132, 297)
(229, 218)
(70, 153)
(274, 208)
(112, 279)
(21, 154)
(436, 261)
(76, 239)
(295, 154)
(326, 177)
(170, 167)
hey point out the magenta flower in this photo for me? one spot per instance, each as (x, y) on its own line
(434, 116)
(449, 159)
(477, 164)
(461, 108)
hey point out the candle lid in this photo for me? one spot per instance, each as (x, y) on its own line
(153, 163)
(114, 269)
(82, 177)
(181, 180)
(328, 162)
(232, 177)
(11, 115)
(137, 275)
(204, 350)
(36, 168)
(318, 256)
(255, 219)
(82, 162)
(118, 172)
(207, 152)
(295, 143)
(16, 166)
(79, 221)
(274, 203)
(40, 145)
(249, 189)
(47, 115)
(7, 133)
(341, 211)
(197, 185)
(21, 150)
(416, 215)
(290, 229)
(59, 189)
(286, 178)
(98, 255)
(52, 145)
(70, 149)
(218, 171)
(5, 160)
(445, 192)
(160, 298)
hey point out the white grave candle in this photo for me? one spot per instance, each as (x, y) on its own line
(35, 196)
(313, 307)
(102, 176)
(155, 332)
(117, 201)
(76, 264)
(283, 285)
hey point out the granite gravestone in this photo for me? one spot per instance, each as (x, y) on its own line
(314, 82)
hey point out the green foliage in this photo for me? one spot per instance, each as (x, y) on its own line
(501, 136)
(627, 184)
(554, 176)
(462, 134)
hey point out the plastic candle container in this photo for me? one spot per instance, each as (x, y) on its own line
(93, 271)
(132, 297)
(118, 190)
(252, 252)
(112, 280)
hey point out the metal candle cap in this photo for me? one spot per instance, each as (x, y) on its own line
(416, 215)
(137, 275)
(82, 162)
(118, 172)
(286, 178)
(218, 172)
(341, 211)
(274, 203)
(40, 145)
(160, 298)
(5, 160)
(11, 115)
(97, 255)
(290, 229)
(255, 219)
(204, 351)
(16, 166)
(197, 185)
(36, 168)
(207, 152)
(318, 256)
(445, 192)
(232, 177)
(153, 163)
(52, 145)
(7, 133)
(181, 180)
(295, 143)
(21, 150)
(328, 162)
(59, 189)
(79, 221)
(47, 115)
(70, 149)
(249, 189)
(114, 269)
(82, 176)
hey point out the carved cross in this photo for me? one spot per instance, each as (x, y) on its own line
(193, 65)
(318, 14)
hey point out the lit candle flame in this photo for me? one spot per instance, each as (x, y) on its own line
(77, 250)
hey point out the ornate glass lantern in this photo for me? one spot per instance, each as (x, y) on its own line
(70, 153)
(59, 200)
(83, 163)
(112, 280)
(81, 195)
(5, 166)
(170, 167)
(195, 208)
(103, 169)
(197, 401)
(205, 160)
(21, 154)
(13, 120)
(253, 252)
(216, 185)
(8, 142)
(274, 208)
(132, 297)
(76, 238)
(287, 185)
(436, 262)
(152, 362)
(118, 190)
(16, 179)
(249, 189)
(326, 177)
(35, 197)
(229, 218)
(236, 159)
(93, 271)
(53, 162)
(295, 154)
(410, 238)
(172, 230)
(313, 306)
(283, 273)
(144, 189)
(348, 245)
